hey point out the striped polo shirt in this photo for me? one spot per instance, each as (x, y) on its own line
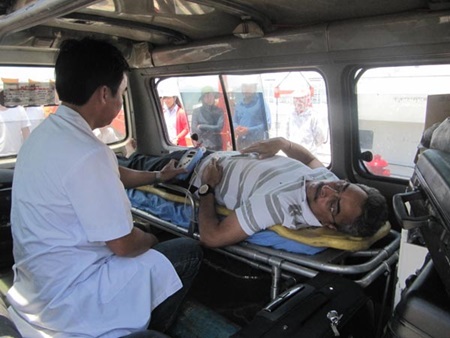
(265, 192)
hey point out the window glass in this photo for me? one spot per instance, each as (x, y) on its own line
(261, 106)
(392, 105)
(155, 7)
(105, 5)
(27, 97)
(195, 112)
(178, 7)
(288, 104)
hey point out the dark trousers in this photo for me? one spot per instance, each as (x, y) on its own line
(156, 163)
(149, 162)
(186, 256)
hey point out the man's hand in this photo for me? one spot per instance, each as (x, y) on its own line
(212, 174)
(170, 171)
(271, 147)
(241, 130)
(267, 148)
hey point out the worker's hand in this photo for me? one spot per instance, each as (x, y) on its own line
(244, 130)
(266, 148)
(241, 130)
(170, 171)
(212, 174)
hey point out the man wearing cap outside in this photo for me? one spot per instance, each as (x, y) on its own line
(251, 120)
(207, 120)
(304, 125)
(175, 117)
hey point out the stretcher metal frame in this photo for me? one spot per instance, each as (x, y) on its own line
(281, 264)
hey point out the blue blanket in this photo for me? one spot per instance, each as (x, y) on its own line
(180, 214)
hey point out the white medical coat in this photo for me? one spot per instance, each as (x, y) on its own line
(67, 201)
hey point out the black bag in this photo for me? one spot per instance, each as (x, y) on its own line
(326, 306)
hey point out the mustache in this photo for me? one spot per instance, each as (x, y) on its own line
(318, 190)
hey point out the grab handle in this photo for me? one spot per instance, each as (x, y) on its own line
(407, 221)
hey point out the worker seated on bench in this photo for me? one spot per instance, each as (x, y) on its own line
(263, 189)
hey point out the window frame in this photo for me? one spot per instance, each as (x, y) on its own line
(353, 76)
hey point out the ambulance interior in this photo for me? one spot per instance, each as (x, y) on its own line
(377, 74)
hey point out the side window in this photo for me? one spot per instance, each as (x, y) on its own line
(288, 104)
(261, 106)
(250, 110)
(392, 109)
(114, 132)
(27, 97)
(195, 112)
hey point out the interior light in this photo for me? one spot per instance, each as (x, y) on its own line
(248, 30)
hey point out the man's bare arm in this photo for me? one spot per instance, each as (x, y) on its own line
(25, 133)
(133, 244)
(134, 178)
(213, 232)
(269, 148)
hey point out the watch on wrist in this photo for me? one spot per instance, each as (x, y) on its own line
(205, 189)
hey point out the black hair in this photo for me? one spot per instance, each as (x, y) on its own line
(374, 215)
(84, 65)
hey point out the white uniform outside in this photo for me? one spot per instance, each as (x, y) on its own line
(36, 115)
(12, 121)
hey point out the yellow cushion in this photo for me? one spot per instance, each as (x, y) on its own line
(324, 237)
(162, 193)
(177, 198)
(314, 236)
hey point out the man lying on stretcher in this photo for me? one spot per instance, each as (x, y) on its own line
(265, 189)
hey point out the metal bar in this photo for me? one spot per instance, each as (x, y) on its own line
(334, 268)
(372, 275)
(38, 12)
(190, 197)
(270, 260)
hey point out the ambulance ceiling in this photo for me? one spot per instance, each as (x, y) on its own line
(45, 23)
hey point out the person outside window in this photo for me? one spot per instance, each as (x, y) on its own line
(251, 120)
(207, 120)
(176, 118)
(304, 125)
(36, 115)
(14, 128)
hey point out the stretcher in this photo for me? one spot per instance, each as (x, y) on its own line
(281, 252)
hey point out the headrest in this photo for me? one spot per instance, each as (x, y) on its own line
(440, 139)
